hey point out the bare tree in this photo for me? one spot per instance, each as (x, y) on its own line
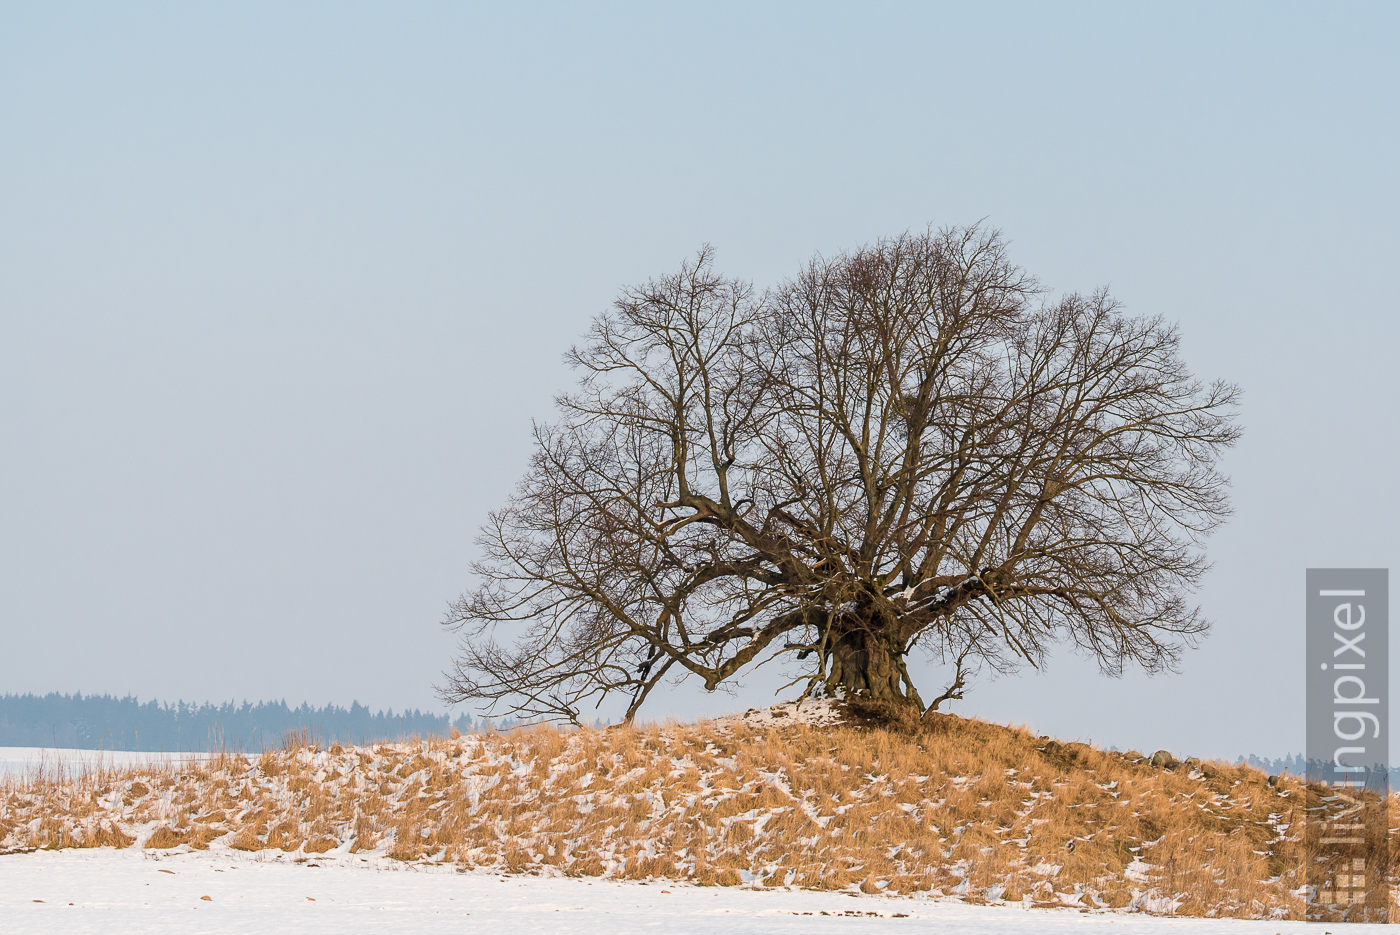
(904, 446)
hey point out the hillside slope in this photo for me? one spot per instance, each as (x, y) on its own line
(967, 809)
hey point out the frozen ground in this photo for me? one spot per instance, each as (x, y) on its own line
(127, 891)
(23, 761)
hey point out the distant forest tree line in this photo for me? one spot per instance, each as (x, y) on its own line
(91, 722)
(1294, 765)
(1297, 765)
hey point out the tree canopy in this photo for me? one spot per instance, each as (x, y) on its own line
(907, 446)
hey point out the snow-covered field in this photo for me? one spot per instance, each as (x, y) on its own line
(128, 891)
(26, 761)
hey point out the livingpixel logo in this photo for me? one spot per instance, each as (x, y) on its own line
(1348, 743)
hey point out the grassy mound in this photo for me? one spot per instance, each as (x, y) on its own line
(965, 808)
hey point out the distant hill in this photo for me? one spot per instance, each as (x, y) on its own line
(91, 722)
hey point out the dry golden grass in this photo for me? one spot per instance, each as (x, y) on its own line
(966, 808)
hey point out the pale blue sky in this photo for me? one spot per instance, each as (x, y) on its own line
(281, 286)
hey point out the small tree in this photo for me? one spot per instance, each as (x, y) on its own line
(904, 446)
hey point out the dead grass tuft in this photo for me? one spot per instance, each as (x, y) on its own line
(163, 838)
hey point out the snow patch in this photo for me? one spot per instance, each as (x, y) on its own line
(116, 892)
(809, 712)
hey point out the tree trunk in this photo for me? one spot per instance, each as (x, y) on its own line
(868, 667)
